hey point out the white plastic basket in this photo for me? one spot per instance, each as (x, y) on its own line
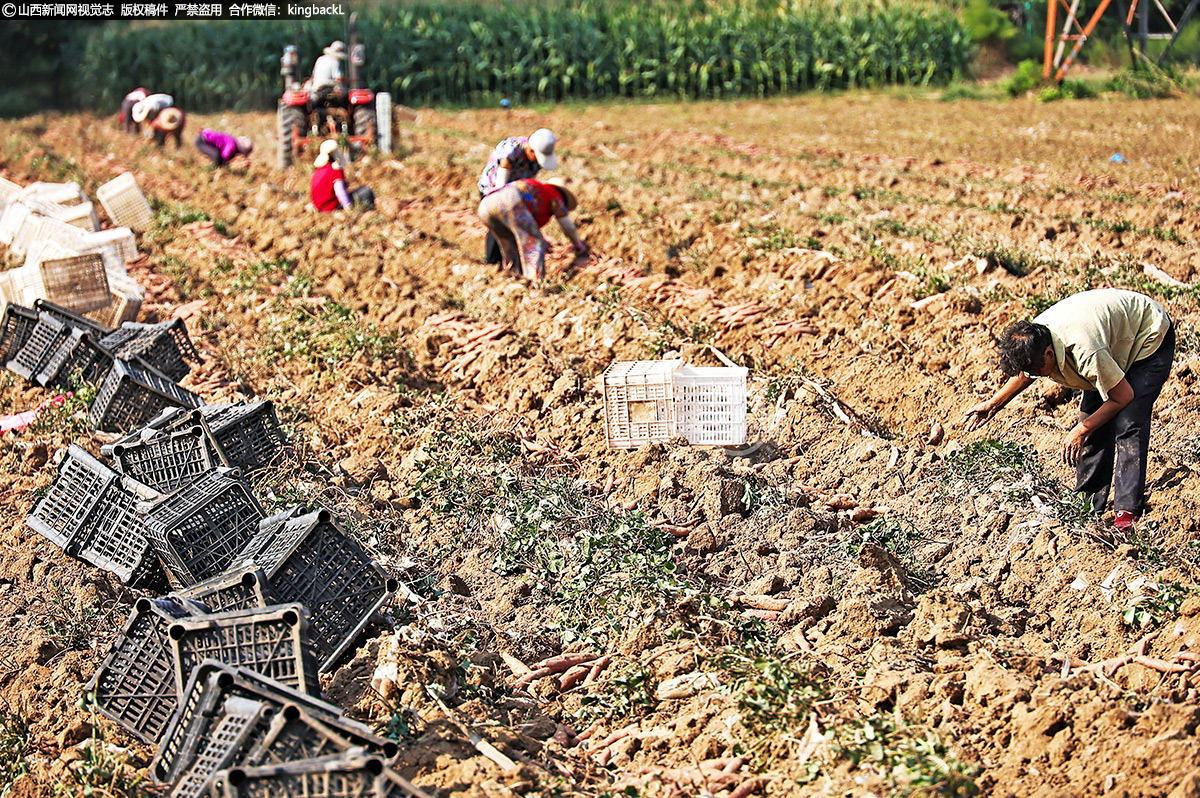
(119, 237)
(76, 282)
(649, 401)
(127, 298)
(5, 289)
(638, 406)
(82, 215)
(125, 203)
(25, 285)
(9, 191)
(12, 220)
(58, 193)
(113, 246)
(710, 405)
(43, 249)
(43, 228)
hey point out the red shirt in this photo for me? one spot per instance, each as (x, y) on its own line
(323, 196)
(542, 199)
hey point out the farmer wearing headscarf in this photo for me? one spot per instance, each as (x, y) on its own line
(131, 99)
(144, 111)
(328, 186)
(167, 124)
(221, 147)
(515, 158)
(515, 215)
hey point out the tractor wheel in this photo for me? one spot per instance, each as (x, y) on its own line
(291, 123)
(364, 125)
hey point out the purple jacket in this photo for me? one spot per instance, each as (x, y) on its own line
(225, 143)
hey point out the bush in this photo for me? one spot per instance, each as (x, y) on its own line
(962, 91)
(1025, 79)
(1146, 83)
(985, 24)
(1067, 90)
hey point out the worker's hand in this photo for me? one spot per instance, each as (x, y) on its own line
(1073, 445)
(979, 414)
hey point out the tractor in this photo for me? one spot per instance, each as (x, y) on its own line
(345, 114)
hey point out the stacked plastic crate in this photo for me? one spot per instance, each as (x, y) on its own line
(68, 259)
(652, 401)
(222, 672)
(134, 368)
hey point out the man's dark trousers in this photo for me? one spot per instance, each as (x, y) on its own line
(1116, 453)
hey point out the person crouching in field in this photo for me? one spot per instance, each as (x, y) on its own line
(515, 215)
(328, 186)
(221, 148)
(515, 158)
(146, 109)
(168, 123)
(1117, 347)
(128, 124)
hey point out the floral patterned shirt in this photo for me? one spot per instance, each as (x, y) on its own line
(520, 165)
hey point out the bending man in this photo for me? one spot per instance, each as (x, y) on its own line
(1117, 347)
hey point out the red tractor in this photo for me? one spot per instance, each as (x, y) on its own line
(329, 112)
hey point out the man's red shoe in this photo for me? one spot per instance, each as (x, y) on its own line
(1124, 520)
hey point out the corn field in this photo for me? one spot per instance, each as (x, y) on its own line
(463, 53)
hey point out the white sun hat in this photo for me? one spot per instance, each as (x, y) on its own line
(542, 143)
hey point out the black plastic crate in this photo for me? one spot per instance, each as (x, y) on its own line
(234, 724)
(134, 393)
(88, 364)
(210, 683)
(243, 435)
(199, 530)
(79, 360)
(295, 734)
(188, 725)
(349, 775)
(272, 641)
(237, 589)
(90, 512)
(167, 420)
(165, 346)
(15, 328)
(118, 539)
(310, 560)
(135, 685)
(81, 483)
(56, 359)
(249, 435)
(41, 345)
(167, 461)
(70, 317)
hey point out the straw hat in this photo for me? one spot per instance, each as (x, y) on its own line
(542, 143)
(328, 148)
(568, 195)
(140, 111)
(245, 145)
(170, 119)
(337, 50)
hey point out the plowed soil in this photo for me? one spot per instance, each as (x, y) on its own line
(914, 609)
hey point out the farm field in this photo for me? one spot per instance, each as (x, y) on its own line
(875, 601)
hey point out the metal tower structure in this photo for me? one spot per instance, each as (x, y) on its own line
(1057, 60)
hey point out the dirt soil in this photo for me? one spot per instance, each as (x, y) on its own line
(911, 621)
